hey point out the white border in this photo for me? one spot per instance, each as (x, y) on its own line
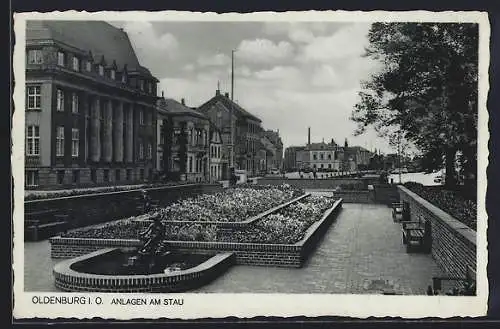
(249, 305)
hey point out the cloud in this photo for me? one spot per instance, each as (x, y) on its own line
(214, 60)
(342, 44)
(278, 73)
(188, 67)
(264, 50)
(325, 76)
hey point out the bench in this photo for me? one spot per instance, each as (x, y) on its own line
(397, 211)
(457, 286)
(44, 224)
(413, 234)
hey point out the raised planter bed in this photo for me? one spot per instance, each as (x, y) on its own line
(68, 279)
(266, 254)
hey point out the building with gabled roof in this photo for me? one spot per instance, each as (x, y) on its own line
(90, 106)
(247, 130)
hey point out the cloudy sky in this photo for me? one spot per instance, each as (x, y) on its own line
(291, 75)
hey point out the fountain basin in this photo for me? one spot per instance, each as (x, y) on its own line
(105, 271)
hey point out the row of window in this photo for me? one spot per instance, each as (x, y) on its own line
(35, 56)
(322, 156)
(32, 177)
(322, 166)
(198, 163)
(149, 151)
(216, 171)
(34, 97)
(215, 151)
(33, 141)
(197, 137)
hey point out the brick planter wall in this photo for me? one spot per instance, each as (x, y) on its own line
(283, 255)
(84, 210)
(68, 279)
(453, 243)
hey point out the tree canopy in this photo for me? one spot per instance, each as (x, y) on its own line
(427, 89)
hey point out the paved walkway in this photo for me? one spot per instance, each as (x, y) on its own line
(360, 253)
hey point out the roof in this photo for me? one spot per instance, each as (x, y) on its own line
(321, 146)
(356, 148)
(221, 100)
(98, 38)
(173, 107)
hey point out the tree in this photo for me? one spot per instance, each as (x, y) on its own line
(427, 90)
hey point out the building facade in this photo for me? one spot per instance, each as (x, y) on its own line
(218, 159)
(247, 131)
(290, 158)
(319, 156)
(90, 106)
(184, 141)
(275, 139)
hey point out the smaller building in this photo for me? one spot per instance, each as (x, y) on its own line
(319, 156)
(290, 158)
(218, 155)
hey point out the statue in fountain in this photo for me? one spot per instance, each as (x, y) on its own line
(153, 237)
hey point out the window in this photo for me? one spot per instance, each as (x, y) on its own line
(141, 174)
(60, 58)
(315, 157)
(60, 100)
(74, 103)
(93, 175)
(190, 164)
(117, 175)
(33, 140)
(60, 177)
(321, 166)
(112, 74)
(101, 70)
(34, 97)
(321, 156)
(128, 174)
(88, 66)
(141, 151)
(60, 141)
(141, 117)
(329, 166)
(124, 77)
(150, 88)
(329, 156)
(75, 142)
(106, 175)
(150, 151)
(35, 56)
(31, 177)
(141, 84)
(76, 64)
(76, 176)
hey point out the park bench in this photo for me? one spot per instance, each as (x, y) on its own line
(44, 223)
(397, 211)
(413, 234)
(454, 286)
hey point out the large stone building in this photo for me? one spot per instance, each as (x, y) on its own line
(247, 131)
(90, 106)
(276, 161)
(184, 141)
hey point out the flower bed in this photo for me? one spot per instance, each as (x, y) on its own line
(232, 205)
(451, 202)
(285, 227)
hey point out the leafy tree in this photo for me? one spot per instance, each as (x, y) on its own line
(427, 90)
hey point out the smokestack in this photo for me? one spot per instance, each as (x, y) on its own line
(226, 94)
(217, 92)
(183, 102)
(309, 136)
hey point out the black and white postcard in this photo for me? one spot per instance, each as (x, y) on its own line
(193, 165)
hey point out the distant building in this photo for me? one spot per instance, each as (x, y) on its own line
(275, 139)
(185, 142)
(218, 159)
(319, 156)
(290, 158)
(90, 106)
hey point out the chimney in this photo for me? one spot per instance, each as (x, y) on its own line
(183, 102)
(333, 142)
(162, 94)
(226, 94)
(217, 92)
(309, 136)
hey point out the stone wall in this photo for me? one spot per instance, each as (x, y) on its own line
(68, 279)
(324, 183)
(282, 255)
(84, 210)
(453, 243)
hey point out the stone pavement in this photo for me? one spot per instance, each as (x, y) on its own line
(361, 253)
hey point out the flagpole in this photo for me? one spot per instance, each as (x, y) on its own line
(232, 110)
